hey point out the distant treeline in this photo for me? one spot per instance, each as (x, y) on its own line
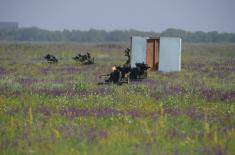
(36, 34)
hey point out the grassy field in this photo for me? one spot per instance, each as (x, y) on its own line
(60, 109)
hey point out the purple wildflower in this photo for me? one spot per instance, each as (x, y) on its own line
(99, 112)
(193, 67)
(45, 71)
(2, 71)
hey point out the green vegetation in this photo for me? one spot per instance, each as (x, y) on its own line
(60, 109)
(94, 36)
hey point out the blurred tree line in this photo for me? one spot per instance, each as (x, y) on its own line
(92, 35)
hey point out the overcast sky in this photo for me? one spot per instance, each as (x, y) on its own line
(147, 15)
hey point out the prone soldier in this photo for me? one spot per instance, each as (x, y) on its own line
(51, 58)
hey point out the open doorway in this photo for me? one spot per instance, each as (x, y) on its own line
(152, 53)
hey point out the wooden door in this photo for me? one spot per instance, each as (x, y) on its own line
(152, 53)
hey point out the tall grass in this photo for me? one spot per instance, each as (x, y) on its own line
(60, 109)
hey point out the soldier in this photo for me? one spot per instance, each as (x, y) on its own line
(51, 58)
(127, 53)
(84, 59)
(88, 55)
(139, 72)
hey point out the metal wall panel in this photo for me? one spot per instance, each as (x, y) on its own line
(138, 50)
(170, 54)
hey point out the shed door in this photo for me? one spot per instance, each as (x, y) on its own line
(152, 53)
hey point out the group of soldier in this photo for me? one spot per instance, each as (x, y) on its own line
(120, 74)
(83, 59)
(125, 73)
